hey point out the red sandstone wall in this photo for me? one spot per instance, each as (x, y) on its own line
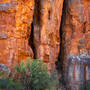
(15, 26)
(16, 17)
(46, 30)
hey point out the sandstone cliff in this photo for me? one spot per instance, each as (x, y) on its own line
(54, 30)
(15, 26)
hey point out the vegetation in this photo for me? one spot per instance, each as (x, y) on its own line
(85, 86)
(10, 84)
(31, 75)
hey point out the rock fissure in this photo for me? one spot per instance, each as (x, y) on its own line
(31, 40)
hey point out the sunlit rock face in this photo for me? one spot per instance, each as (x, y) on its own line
(46, 30)
(76, 35)
(15, 26)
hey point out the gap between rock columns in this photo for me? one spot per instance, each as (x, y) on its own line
(47, 18)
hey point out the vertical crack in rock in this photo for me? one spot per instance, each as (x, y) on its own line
(49, 16)
(59, 63)
(31, 40)
(36, 25)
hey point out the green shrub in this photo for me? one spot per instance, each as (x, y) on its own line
(85, 86)
(31, 75)
(10, 84)
(34, 76)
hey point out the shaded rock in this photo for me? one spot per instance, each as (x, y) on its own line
(2, 36)
(76, 30)
(6, 6)
(78, 71)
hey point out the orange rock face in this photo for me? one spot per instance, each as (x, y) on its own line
(46, 30)
(15, 26)
(16, 17)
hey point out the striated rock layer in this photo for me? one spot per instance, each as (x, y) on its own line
(47, 19)
(15, 26)
(76, 40)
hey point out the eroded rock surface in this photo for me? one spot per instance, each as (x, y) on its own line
(15, 26)
(46, 30)
(16, 43)
(76, 36)
(76, 28)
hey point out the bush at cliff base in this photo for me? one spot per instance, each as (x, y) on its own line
(85, 86)
(10, 84)
(32, 75)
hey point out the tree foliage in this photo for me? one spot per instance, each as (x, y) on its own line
(31, 75)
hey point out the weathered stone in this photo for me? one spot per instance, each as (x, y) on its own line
(15, 26)
(46, 30)
(4, 71)
(2, 36)
(76, 28)
(78, 71)
(75, 36)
